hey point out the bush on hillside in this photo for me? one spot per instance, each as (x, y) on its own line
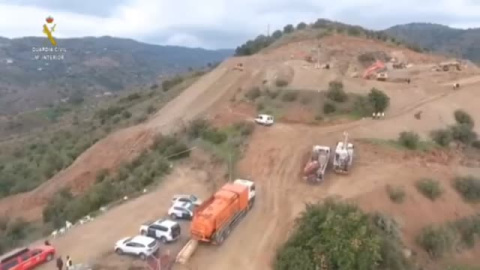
(335, 92)
(245, 128)
(170, 147)
(463, 117)
(396, 194)
(168, 84)
(289, 96)
(362, 107)
(436, 240)
(197, 127)
(272, 94)
(329, 108)
(463, 133)
(253, 93)
(442, 137)
(288, 29)
(409, 139)
(476, 144)
(214, 136)
(337, 235)
(281, 83)
(301, 26)
(277, 34)
(429, 188)
(126, 114)
(150, 109)
(468, 187)
(379, 100)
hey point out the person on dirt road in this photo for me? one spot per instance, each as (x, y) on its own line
(69, 263)
(59, 263)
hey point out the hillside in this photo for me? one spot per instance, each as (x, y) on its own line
(90, 66)
(441, 39)
(312, 105)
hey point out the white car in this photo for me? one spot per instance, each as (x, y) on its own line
(163, 229)
(264, 119)
(139, 245)
(181, 210)
(186, 198)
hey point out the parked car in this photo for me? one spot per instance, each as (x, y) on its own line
(142, 246)
(181, 210)
(264, 119)
(186, 198)
(26, 258)
(163, 229)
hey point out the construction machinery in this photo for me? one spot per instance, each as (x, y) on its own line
(375, 67)
(315, 169)
(343, 159)
(215, 218)
(382, 76)
(446, 66)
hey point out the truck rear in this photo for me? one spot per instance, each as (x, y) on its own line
(214, 219)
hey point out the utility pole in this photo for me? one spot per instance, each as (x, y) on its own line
(268, 30)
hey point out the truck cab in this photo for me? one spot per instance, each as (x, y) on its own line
(251, 190)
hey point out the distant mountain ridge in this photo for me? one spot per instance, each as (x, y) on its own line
(439, 38)
(90, 65)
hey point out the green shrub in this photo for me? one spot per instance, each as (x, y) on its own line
(170, 147)
(335, 92)
(463, 117)
(476, 144)
(396, 194)
(289, 96)
(409, 139)
(442, 137)
(151, 109)
(245, 128)
(101, 175)
(429, 188)
(168, 84)
(281, 83)
(362, 107)
(436, 240)
(197, 127)
(463, 133)
(468, 229)
(214, 136)
(301, 26)
(332, 235)
(379, 100)
(126, 114)
(253, 93)
(468, 187)
(272, 94)
(260, 106)
(329, 108)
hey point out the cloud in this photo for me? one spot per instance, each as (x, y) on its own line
(218, 23)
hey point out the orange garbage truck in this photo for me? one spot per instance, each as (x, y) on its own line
(214, 219)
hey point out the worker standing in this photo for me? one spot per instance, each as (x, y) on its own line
(69, 263)
(59, 263)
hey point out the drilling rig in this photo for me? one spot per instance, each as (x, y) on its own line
(343, 159)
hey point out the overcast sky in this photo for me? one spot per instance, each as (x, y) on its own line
(218, 23)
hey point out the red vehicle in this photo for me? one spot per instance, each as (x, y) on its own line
(26, 258)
